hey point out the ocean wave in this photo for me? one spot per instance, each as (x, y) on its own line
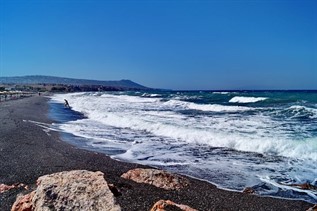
(242, 132)
(241, 99)
(304, 109)
(221, 93)
(151, 95)
(129, 99)
(188, 132)
(206, 107)
(298, 111)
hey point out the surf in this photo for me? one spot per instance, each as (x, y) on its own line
(192, 133)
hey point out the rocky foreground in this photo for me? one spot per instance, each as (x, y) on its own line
(89, 191)
(39, 171)
(86, 190)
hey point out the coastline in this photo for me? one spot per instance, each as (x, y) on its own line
(28, 152)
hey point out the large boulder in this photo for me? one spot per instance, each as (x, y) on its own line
(73, 190)
(158, 178)
(163, 205)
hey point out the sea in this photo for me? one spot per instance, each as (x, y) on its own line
(266, 140)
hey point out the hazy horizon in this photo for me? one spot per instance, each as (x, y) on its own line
(179, 45)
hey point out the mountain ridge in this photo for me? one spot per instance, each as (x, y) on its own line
(42, 79)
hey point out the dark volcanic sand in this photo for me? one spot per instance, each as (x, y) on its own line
(27, 152)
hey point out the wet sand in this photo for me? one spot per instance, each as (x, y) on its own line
(28, 152)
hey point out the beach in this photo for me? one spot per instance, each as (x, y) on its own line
(28, 151)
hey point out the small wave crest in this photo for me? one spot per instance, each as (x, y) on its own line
(206, 107)
(302, 111)
(221, 93)
(246, 99)
(151, 95)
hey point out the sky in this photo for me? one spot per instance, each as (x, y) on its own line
(193, 45)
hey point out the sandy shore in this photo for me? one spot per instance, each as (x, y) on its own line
(27, 152)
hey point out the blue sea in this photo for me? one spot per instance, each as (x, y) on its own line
(266, 140)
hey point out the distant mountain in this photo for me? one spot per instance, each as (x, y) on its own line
(39, 79)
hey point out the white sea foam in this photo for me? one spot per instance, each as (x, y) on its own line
(246, 99)
(303, 110)
(217, 108)
(205, 107)
(254, 134)
(221, 93)
(151, 95)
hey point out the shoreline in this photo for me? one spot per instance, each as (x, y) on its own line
(28, 152)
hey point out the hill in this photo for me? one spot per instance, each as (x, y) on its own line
(51, 80)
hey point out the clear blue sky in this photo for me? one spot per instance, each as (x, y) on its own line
(216, 44)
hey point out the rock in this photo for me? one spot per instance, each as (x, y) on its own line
(158, 178)
(163, 205)
(73, 190)
(23, 186)
(4, 188)
(23, 203)
(248, 190)
(314, 208)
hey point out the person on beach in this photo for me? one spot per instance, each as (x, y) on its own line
(66, 104)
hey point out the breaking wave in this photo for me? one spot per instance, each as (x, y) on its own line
(302, 111)
(205, 107)
(246, 99)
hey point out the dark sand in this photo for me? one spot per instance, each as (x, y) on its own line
(27, 152)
